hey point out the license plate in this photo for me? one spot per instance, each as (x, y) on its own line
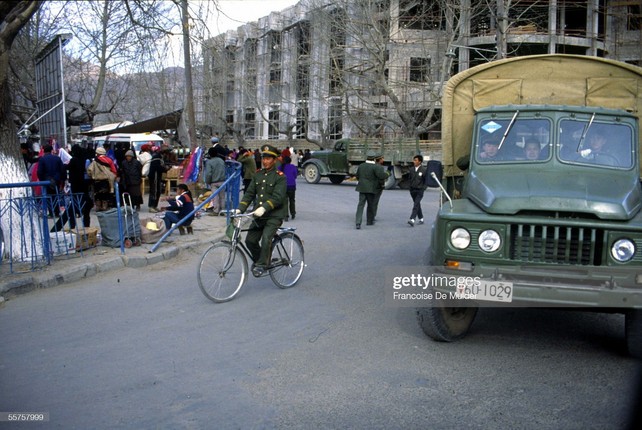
(491, 291)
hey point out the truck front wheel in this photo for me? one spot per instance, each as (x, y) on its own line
(633, 332)
(312, 175)
(446, 324)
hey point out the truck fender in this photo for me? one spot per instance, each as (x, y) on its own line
(322, 166)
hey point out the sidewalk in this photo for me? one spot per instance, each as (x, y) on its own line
(90, 262)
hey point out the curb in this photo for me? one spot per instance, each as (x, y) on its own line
(51, 277)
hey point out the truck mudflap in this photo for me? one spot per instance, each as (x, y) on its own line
(521, 286)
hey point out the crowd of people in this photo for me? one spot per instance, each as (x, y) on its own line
(84, 178)
(90, 174)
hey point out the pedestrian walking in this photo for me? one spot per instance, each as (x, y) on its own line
(131, 178)
(214, 175)
(156, 170)
(103, 173)
(52, 169)
(79, 182)
(291, 172)
(417, 187)
(369, 174)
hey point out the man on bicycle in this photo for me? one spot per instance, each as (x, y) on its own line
(268, 191)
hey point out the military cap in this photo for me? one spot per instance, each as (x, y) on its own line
(269, 151)
(372, 155)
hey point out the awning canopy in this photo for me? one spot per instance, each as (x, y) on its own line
(163, 122)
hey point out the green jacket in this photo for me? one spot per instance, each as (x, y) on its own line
(370, 175)
(268, 190)
(249, 165)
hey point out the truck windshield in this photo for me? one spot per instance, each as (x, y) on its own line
(528, 140)
(594, 143)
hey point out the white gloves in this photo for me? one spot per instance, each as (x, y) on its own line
(585, 153)
(259, 212)
(237, 211)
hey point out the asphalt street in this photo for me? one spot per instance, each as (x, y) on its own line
(143, 348)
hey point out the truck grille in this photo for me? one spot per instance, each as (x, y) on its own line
(555, 244)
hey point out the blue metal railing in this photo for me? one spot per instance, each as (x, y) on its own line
(232, 189)
(25, 216)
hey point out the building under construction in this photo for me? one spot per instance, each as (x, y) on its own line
(324, 70)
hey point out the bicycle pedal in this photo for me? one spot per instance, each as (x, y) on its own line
(258, 271)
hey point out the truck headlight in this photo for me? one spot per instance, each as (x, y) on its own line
(489, 241)
(460, 238)
(622, 250)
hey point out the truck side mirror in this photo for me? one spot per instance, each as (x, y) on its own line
(437, 168)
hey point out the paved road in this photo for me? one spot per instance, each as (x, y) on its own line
(145, 349)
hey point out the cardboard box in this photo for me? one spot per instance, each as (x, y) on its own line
(62, 243)
(85, 238)
(174, 173)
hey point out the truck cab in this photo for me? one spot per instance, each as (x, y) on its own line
(548, 207)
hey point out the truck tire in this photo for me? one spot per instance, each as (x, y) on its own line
(445, 324)
(311, 173)
(336, 179)
(633, 332)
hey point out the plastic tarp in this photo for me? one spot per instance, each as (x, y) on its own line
(109, 230)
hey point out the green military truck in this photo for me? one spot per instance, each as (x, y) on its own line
(342, 161)
(541, 158)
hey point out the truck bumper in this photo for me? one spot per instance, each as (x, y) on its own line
(553, 287)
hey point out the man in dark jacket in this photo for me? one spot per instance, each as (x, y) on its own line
(50, 168)
(369, 175)
(417, 186)
(156, 169)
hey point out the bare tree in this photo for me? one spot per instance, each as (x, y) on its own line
(110, 40)
(13, 17)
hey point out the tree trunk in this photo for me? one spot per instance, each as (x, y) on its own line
(14, 16)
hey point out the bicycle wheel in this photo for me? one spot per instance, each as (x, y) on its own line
(222, 272)
(287, 260)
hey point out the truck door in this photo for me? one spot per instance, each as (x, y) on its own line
(337, 159)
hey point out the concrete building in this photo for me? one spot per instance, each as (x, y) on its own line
(325, 70)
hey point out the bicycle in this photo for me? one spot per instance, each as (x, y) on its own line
(223, 269)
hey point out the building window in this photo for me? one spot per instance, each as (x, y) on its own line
(301, 122)
(274, 45)
(248, 128)
(229, 118)
(303, 38)
(273, 126)
(634, 18)
(335, 122)
(420, 15)
(419, 69)
(302, 81)
(275, 76)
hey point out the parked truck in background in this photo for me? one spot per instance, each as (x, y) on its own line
(344, 159)
(563, 229)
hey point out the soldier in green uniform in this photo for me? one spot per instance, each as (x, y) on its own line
(369, 174)
(268, 192)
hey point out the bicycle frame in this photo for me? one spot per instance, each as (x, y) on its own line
(237, 243)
